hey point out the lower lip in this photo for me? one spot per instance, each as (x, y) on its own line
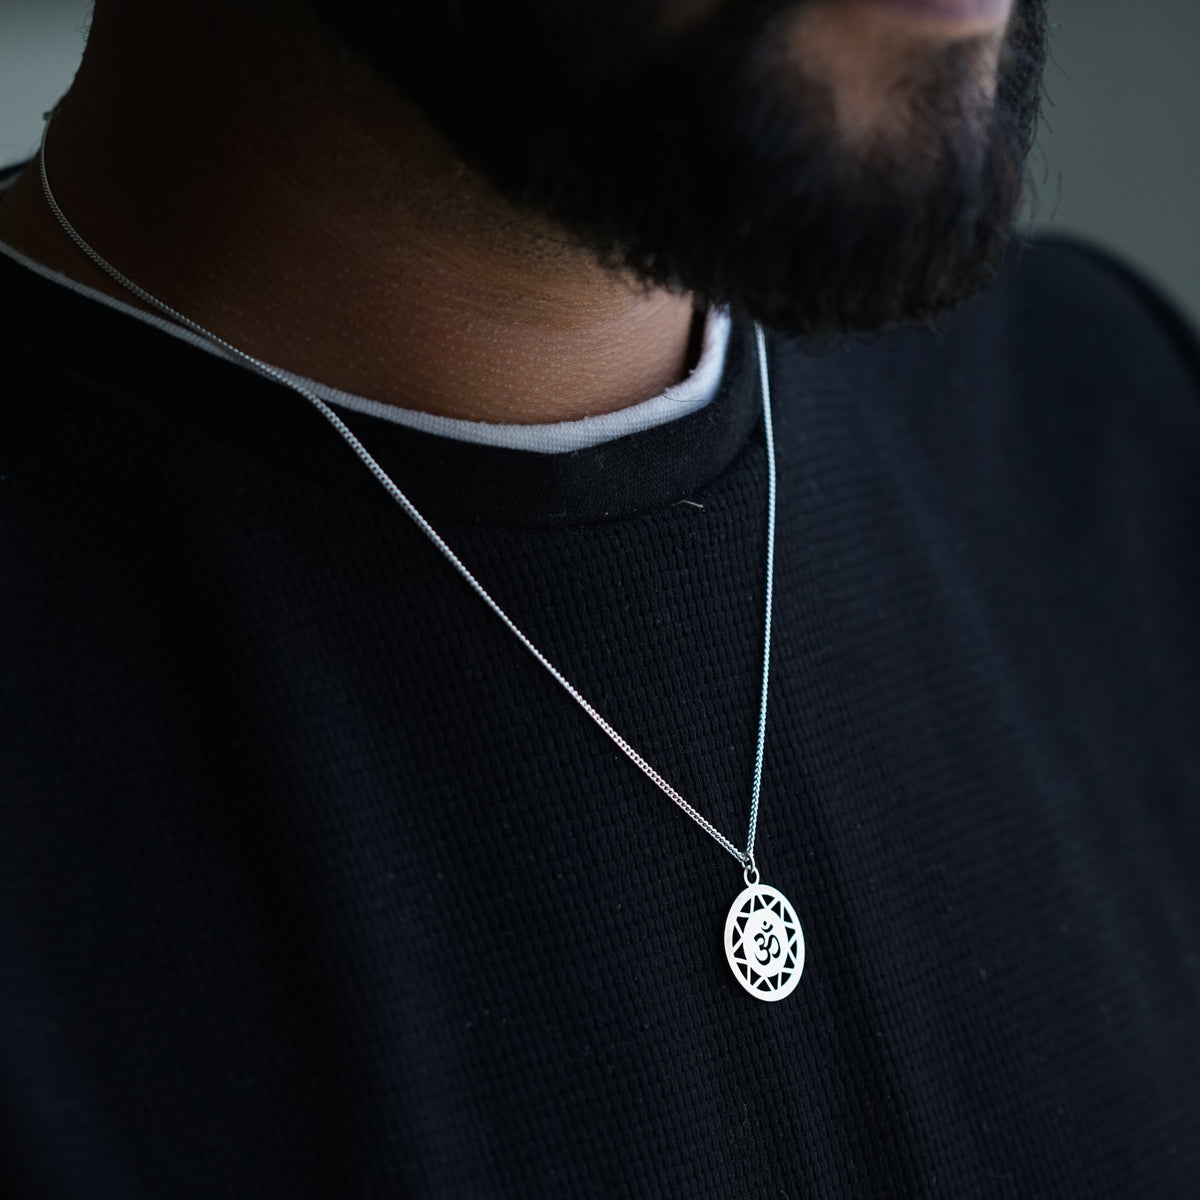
(954, 17)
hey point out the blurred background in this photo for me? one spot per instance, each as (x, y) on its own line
(1118, 158)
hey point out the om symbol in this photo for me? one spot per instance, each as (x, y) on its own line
(768, 946)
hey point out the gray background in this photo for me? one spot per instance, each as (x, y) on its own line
(1117, 159)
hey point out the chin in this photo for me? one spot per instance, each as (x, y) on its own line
(820, 166)
(885, 78)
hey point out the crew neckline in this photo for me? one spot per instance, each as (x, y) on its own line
(141, 366)
(558, 437)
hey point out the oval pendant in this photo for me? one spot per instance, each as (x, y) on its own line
(764, 943)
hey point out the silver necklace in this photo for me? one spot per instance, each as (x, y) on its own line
(763, 940)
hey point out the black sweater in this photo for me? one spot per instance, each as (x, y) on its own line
(313, 883)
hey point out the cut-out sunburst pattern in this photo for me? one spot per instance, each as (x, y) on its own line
(764, 943)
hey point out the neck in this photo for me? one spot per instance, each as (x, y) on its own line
(255, 177)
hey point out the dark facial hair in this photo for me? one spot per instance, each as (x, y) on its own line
(680, 157)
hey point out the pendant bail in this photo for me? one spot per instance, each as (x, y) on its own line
(749, 868)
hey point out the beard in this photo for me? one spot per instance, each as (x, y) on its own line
(699, 157)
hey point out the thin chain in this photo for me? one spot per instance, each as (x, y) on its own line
(746, 857)
(760, 749)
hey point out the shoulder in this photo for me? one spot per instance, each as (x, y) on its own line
(1065, 399)
(1068, 334)
(1068, 303)
(1061, 308)
(10, 171)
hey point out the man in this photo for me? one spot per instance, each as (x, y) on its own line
(316, 883)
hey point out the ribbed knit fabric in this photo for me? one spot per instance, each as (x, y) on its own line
(312, 883)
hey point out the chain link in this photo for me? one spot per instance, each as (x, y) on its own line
(746, 857)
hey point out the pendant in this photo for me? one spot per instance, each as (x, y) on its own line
(764, 942)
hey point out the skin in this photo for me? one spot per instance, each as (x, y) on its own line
(866, 50)
(334, 233)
